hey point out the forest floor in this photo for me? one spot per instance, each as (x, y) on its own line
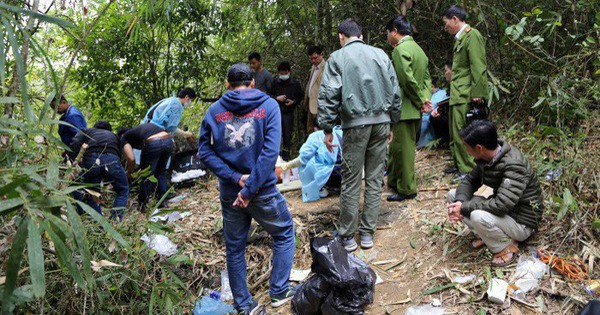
(416, 250)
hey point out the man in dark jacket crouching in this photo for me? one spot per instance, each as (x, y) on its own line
(513, 210)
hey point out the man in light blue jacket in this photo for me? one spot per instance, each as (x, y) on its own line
(167, 113)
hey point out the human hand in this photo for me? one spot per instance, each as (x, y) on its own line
(454, 212)
(391, 137)
(240, 201)
(190, 137)
(242, 181)
(328, 140)
(435, 113)
(477, 99)
(281, 98)
(289, 102)
(426, 107)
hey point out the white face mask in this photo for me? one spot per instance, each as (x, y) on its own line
(284, 77)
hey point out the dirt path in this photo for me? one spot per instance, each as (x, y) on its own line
(415, 250)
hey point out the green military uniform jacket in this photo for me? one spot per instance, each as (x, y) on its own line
(469, 68)
(370, 93)
(411, 65)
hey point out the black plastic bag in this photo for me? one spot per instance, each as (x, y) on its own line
(329, 307)
(352, 281)
(310, 296)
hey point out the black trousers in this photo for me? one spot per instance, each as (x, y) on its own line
(441, 127)
(287, 127)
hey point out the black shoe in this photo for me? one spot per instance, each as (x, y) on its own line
(451, 170)
(400, 197)
(253, 309)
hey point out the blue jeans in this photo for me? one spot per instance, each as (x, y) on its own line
(109, 169)
(272, 214)
(155, 155)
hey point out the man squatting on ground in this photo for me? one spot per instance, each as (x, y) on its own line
(512, 213)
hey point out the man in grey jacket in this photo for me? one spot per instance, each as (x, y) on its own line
(512, 207)
(360, 88)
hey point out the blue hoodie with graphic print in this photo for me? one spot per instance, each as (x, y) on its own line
(241, 134)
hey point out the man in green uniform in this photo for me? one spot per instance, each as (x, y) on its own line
(411, 65)
(469, 82)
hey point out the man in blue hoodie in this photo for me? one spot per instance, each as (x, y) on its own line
(245, 128)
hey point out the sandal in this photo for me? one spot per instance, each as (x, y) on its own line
(511, 248)
(480, 243)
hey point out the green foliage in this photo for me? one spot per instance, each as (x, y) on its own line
(542, 58)
(567, 204)
(142, 53)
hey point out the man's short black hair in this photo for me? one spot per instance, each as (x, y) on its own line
(103, 124)
(239, 74)
(350, 28)
(314, 50)
(284, 66)
(401, 25)
(254, 55)
(187, 91)
(482, 132)
(457, 11)
(56, 97)
(448, 63)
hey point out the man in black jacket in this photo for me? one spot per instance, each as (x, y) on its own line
(102, 163)
(512, 207)
(288, 93)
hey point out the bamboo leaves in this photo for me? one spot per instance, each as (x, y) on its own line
(36, 15)
(13, 263)
(36, 259)
(20, 64)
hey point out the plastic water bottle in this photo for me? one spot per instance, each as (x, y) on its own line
(215, 295)
(286, 177)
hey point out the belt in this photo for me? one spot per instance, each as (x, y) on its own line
(165, 136)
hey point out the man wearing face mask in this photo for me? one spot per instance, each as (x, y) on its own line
(288, 93)
(167, 113)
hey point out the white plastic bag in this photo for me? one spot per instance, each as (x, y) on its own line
(161, 244)
(526, 277)
(425, 310)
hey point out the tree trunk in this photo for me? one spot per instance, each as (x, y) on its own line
(16, 79)
(329, 41)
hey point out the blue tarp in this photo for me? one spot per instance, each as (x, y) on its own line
(427, 133)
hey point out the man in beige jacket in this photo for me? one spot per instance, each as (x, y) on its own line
(315, 54)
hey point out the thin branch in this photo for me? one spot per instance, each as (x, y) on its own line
(532, 54)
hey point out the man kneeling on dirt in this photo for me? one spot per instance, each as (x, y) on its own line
(513, 210)
(245, 128)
